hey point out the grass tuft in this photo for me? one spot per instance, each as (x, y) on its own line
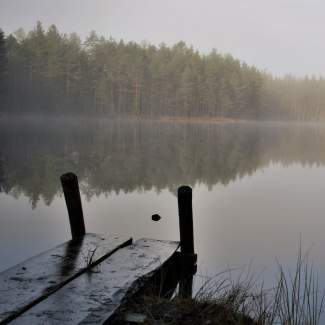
(296, 299)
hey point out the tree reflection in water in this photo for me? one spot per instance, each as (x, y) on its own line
(128, 156)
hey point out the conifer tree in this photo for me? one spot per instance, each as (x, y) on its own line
(3, 71)
(52, 73)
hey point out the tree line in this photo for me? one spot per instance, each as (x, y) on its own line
(47, 72)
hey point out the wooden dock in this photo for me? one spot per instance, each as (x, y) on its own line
(85, 280)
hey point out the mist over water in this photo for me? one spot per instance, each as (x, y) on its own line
(138, 98)
(257, 187)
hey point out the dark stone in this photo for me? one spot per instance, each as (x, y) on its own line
(155, 217)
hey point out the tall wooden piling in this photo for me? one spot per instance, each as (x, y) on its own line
(187, 256)
(186, 220)
(71, 192)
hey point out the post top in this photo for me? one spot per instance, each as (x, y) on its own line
(184, 189)
(68, 176)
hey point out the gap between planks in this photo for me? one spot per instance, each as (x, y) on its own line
(93, 297)
(29, 282)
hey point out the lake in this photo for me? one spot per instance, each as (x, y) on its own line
(257, 187)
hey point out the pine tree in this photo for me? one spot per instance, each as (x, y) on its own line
(49, 72)
(3, 71)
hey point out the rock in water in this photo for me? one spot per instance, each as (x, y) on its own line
(155, 217)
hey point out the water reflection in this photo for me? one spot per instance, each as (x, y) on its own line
(110, 156)
(257, 187)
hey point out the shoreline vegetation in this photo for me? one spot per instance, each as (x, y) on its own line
(49, 72)
(173, 119)
(162, 119)
(296, 299)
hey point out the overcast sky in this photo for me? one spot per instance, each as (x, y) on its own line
(280, 36)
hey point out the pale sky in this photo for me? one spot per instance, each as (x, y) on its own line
(280, 36)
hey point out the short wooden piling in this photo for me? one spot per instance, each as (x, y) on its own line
(71, 192)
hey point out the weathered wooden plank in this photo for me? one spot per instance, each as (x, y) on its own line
(93, 297)
(33, 280)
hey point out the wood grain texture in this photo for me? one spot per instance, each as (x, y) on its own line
(33, 280)
(93, 297)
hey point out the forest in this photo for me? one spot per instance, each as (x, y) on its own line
(46, 72)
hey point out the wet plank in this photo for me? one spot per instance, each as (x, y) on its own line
(33, 280)
(93, 297)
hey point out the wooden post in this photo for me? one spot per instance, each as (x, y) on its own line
(186, 220)
(187, 258)
(71, 192)
(185, 287)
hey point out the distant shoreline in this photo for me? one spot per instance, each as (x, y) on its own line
(161, 119)
(182, 119)
(196, 119)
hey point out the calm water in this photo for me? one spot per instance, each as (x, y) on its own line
(257, 187)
